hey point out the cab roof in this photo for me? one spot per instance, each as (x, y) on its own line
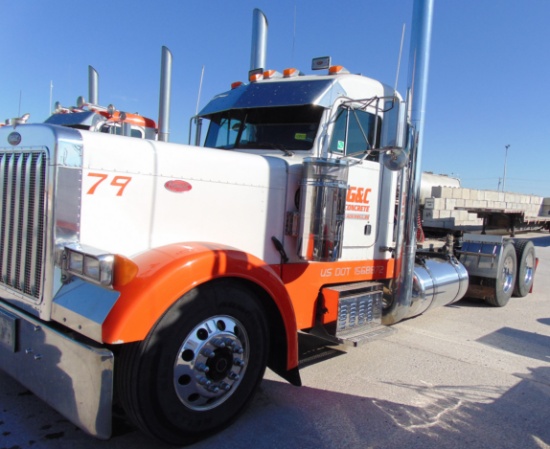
(297, 91)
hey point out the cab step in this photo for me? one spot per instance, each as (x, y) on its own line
(361, 337)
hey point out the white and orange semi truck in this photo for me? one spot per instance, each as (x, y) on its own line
(166, 277)
(91, 116)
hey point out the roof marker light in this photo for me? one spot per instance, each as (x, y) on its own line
(291, 72)
(337, 70)
(269, 74)
(255, 75)
(236, 84)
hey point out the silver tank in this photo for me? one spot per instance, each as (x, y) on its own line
(437, 282)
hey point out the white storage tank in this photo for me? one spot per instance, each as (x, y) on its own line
(430, 180)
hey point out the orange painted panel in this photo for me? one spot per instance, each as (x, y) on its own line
(305, 280)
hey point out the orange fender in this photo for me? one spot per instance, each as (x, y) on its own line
(167, 273)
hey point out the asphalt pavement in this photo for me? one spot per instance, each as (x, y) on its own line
(462, 376)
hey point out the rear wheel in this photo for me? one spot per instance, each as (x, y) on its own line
(525, 252)
(506, 276)
(199, 366)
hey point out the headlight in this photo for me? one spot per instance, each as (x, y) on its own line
(89, 263)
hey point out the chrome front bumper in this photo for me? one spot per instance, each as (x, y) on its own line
(73, 377)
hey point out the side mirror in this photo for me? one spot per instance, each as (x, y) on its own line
(393, 140)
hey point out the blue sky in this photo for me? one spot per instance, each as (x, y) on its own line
(488, 84)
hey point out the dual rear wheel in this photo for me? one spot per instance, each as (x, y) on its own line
(516, 272)
(525, 252)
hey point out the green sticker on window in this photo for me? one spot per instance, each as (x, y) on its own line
(340, 145)
(300, 136)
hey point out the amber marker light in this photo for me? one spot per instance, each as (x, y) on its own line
(337, 69)
(125, 271)
(269, 74)
(288, 73)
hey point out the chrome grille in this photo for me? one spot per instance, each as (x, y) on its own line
(22, 220)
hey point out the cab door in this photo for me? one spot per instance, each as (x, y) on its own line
(355, 134)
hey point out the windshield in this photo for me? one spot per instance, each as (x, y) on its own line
(284, 128)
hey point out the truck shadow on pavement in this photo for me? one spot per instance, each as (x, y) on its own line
(441, 416)
(541, 241)
(282, 416)
(516, 341)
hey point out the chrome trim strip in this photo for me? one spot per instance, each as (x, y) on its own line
(35, 234)
(15, 174)
(2, 213)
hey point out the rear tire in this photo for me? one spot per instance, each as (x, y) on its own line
(525, 252)
(506, 276)
(199, 367)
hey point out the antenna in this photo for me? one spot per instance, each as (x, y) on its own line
(51, 95)
(198, 121)
(293, 38)
(399, 58)
(200, 89)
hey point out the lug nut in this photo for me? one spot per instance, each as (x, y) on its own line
(202, 367)
(207, 352)
(233, 375)
(218, 343)
(213, 389)
(204, 381)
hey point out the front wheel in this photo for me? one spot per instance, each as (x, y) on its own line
(199, 366)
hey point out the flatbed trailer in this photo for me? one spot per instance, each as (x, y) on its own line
(513, 220)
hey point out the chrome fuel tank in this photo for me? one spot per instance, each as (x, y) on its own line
(437, 282)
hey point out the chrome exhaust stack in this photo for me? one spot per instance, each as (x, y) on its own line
(164, 100)
(402, 289)
(259, 40)
(93, 85)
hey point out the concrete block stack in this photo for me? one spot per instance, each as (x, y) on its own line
(446, 206)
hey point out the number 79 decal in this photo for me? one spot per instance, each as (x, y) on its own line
(117, 181)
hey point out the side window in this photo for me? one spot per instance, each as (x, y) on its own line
(338, 141)
(354, 132)
(223, 134)
(136, 132)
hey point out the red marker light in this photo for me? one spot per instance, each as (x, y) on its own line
(177, 186)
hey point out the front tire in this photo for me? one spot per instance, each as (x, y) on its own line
(199, 367)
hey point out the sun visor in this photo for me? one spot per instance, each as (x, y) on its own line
(276, 93)
(85, 118)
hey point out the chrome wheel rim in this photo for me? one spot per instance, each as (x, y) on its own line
(529, 269)
(508, 274)
(211, 363)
